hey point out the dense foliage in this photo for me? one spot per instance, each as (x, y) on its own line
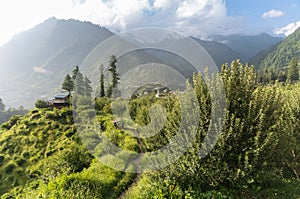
(257, 154)
(288, 74)
(279, 55)
(43, 151)
(77, 83)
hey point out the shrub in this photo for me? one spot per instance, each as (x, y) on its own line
(51, 115)
(12, 121)
(9, 168)
(2, 158)
(20, 161)
(41, 104)
(100, 103)
(35, 116)
(76, 158)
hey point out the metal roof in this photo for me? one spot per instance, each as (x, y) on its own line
(61, 95)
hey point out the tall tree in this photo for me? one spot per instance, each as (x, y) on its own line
(75, 72)
(2, 105)
(102, 91)
(67, 84)
(87, 87)
(114, 75)
(74, 75)
(293, 72)
(79, 85)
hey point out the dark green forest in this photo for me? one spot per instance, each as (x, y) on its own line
(276, 62)
(256, 156)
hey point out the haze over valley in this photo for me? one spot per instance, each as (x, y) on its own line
(34, 62)
(142, 99)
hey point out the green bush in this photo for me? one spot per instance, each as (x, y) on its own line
(20, 161)
(100, 103)
(41, 104)
(2, 158)
(76, 158)
(9, 168)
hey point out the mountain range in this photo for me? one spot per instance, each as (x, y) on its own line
(279, 55)
(247, 45)
(34, 63)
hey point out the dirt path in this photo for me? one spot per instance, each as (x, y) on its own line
(136, 163)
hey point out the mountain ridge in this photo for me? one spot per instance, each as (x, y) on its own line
(279, 55)
(248, 45)
(35, 61)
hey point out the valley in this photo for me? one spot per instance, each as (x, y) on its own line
(148, 123)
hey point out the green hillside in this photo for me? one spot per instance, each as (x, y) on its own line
(256, 156)
(43, 148)
(279, 55)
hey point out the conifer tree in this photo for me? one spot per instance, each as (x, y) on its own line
(114, 75)
(75, 72)
(102, 91)
(67, 84)
(79, 85)
(87, 87)
(293, 73)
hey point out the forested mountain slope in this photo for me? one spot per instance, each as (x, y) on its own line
(34, 62)
(279, 55)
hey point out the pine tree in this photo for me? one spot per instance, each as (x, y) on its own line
(79, 85)
(2, 105)
(74, 75)
(102, 91)
(115, 76)
(293, 73)
(87, 87)
(67, 84)
(75, 72)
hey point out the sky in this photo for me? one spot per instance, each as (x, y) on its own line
(199, 18)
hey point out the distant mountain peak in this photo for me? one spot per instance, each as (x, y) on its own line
(51, 19)
(247, 45)
(57, 45)
(279, 55)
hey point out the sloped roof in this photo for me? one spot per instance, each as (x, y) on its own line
(61, 96)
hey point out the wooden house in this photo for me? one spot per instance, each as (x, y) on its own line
(59, 101)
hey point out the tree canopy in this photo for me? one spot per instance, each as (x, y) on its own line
(293, 71)
(68, 84)
(2, 105)
(114, 76)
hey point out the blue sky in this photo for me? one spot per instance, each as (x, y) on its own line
(200, 18)
(252, 11)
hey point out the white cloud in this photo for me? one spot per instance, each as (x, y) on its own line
(201, 8)
(288, 29)
(163, 4)
(272, 14)
(42, 70)
(194, 17)
(78, 1)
